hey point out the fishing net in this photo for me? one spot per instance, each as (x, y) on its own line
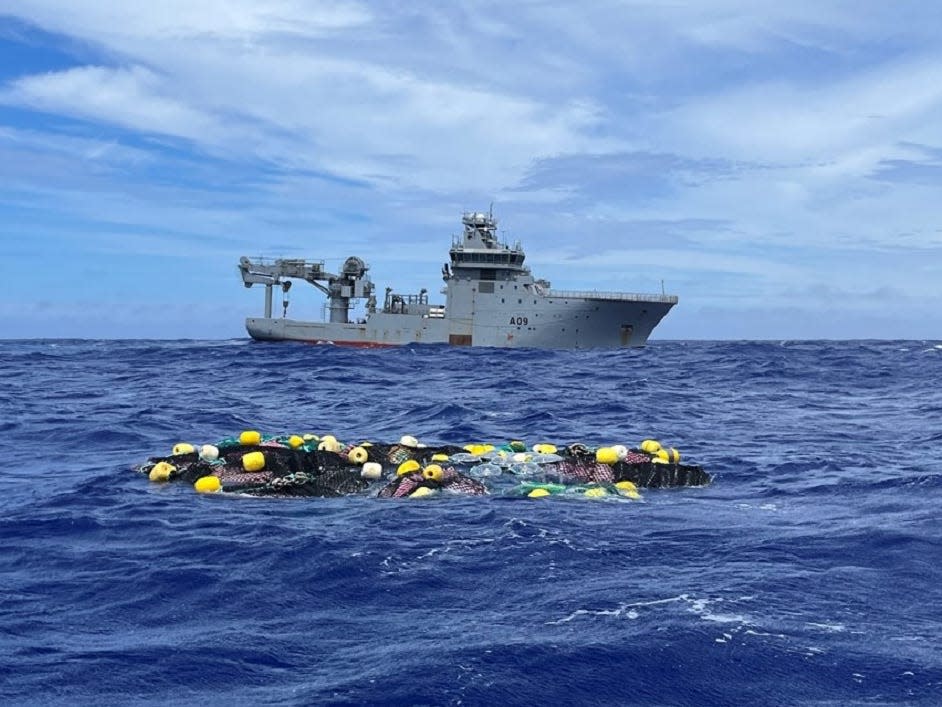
(273, 467)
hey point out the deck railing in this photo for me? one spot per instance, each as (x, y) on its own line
(617, 296)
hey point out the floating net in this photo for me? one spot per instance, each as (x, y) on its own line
(309, 465)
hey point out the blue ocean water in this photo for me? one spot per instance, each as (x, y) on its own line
(808, 573)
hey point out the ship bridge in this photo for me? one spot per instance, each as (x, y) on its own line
(478, 247)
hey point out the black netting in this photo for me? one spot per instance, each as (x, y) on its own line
(299, 472)
(326, 482)
(650, 475)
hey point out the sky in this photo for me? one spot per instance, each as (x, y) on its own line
(776, 165)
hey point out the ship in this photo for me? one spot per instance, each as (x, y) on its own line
(491, 299)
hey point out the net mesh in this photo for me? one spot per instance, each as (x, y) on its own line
(302, 471)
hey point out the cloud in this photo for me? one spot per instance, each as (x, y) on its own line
(813, 122)
(130, 98)
(634, 177)
(112, 22)
(297, 104)
(923, 167)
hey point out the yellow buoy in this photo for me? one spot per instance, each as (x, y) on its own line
(250, 437)
(253, 461)
(183, 448)
(606, 455)
(627, 489)
(161, 471)
(439, 457)
(433, 472)
(650, 446)
(538, 493)
(371, 471)
(407, 467)
(208, 484)
(294, 441)
(421, 492)
(544, 448)
(595, 492)
(673, 456)
(358, 455)
(658, 460)
(209, 453)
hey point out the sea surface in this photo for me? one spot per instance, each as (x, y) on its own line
(808, 573)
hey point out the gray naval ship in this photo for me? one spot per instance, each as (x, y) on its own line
(491, 299)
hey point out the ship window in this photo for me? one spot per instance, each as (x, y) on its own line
(501, 300)
(519, 301)
(488, 274)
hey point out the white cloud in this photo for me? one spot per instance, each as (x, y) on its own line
(114, 23)
(130, 98)
(351, 118)
(812, 121)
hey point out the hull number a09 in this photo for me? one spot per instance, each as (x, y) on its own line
(519, 321)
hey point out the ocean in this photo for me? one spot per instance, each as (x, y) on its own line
(809, 572)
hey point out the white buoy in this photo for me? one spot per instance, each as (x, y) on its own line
(371, 471)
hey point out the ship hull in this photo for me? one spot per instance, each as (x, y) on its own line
(558, 323)
(380, 331)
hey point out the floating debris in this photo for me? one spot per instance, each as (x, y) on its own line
(313, 465)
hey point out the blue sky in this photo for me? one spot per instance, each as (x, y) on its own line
(776, 165)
